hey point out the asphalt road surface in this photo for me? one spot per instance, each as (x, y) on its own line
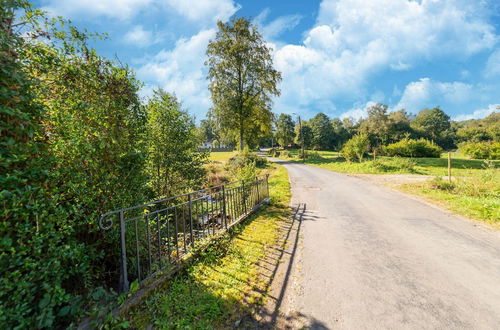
(373, 258)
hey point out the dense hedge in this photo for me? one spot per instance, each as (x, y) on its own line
(481, 150)
(413, 148)
(72, 146)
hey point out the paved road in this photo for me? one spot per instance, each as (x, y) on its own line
(373, 258)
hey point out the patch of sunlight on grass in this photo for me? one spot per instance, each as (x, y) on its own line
(221, 156)
(223, 282)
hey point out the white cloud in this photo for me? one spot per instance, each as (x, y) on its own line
(204, 10)
(358, 113)
(120, 9)
(139, 37)
(275, 28)
(182, 71)
(492, 68)
(200, 11)
(426, 92)
(479, 113)
(356, 39)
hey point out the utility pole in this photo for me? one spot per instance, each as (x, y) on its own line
(302, 138)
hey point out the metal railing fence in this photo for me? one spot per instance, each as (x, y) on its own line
(159, 234)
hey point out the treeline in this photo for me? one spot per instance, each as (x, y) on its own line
(382, 128)
(76, 141)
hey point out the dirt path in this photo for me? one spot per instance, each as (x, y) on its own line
(372, 258)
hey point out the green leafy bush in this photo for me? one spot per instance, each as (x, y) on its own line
(313, 155)
(355, 148)
(481, 150)
(413, 148)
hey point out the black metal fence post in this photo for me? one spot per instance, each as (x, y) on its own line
(123, 285)
(257, 187)
(244, 196)
(224, 214)
(191, 220)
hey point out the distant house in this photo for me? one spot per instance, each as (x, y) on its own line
(213, 144)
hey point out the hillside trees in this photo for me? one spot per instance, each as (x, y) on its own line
(285, 129)
(242, 80)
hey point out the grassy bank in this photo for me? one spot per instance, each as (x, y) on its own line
(223, 284)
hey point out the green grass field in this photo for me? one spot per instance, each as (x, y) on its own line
(223, 283)
(221, 156)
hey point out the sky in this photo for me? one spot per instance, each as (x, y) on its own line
(336, 56)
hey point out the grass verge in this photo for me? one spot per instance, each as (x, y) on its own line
(476, 195)
(223, 283)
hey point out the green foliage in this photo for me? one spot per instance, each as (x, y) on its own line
(174, 163)
(433, 124)
(242, 80)
(322, 132)
(355, 148)
(72, 147)
(244, 165)
(285, 130)
(413, 148)
(481, 150)
(305, 136)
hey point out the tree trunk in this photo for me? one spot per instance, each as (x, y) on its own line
(241, 138)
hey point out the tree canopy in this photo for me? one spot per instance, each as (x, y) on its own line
(242, 80)
(285, 129)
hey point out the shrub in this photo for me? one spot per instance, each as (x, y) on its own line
(313, 155)
(440, 184)
(481, 150)
(355, 148)
(413, 148)
(243, 166)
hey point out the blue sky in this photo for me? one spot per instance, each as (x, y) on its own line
(336, 56)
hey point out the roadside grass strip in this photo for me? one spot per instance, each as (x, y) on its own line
(223, 284)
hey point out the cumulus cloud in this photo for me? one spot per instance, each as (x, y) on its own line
(201, 11)
(120, 9)
(181, 70)
(479, 113)
(204, 10)
(492, 68)
(139, 37)
(426, 92)
(358, 113)
(354, 40)
(275, 28)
